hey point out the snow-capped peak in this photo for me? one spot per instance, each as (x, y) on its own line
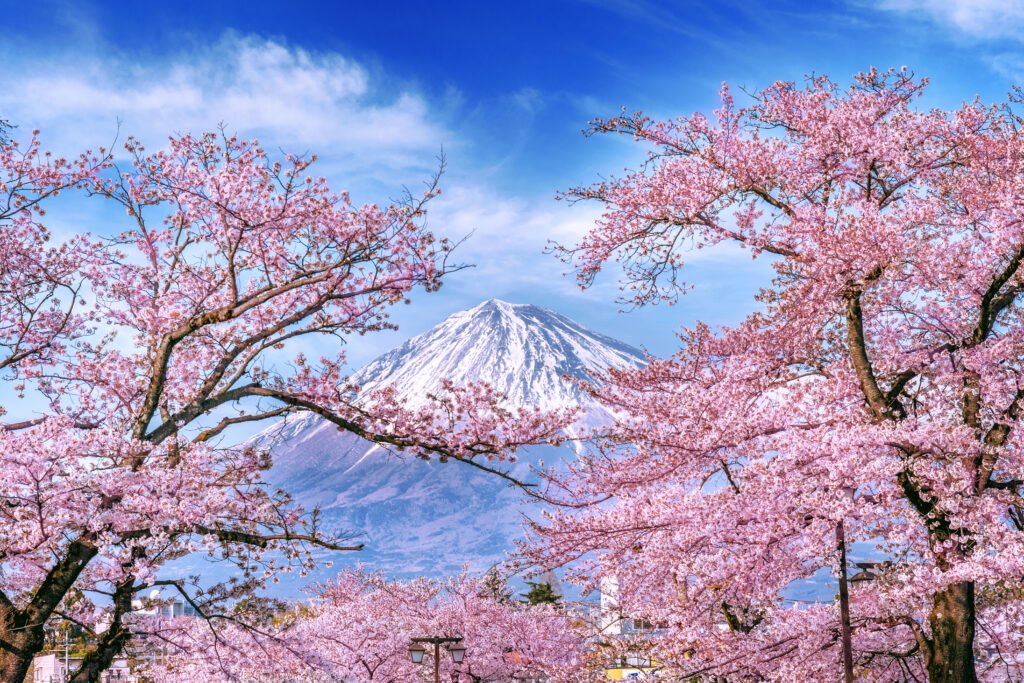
(524, 351)
(428, 517)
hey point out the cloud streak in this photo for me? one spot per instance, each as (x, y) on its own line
(977, 19)
(373, 135)
(290, 96)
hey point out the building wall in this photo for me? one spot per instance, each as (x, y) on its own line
(50, 669)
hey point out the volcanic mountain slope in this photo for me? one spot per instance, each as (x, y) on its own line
(429, 518)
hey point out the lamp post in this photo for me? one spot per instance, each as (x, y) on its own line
(452, 643)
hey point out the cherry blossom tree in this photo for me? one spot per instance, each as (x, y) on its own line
(39, 282)
(877, 385)
(359, 628)
(150, 345)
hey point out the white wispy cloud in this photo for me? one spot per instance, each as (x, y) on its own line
(507, 237)
(372, 132)
(373, 135)
(293, 97)
(977, 19)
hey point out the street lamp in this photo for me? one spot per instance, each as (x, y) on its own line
(452, 644)
(457, 652)
(416, 652)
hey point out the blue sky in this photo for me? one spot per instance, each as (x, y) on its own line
(378, 89)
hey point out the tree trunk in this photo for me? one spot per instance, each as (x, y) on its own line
(844, 605)
(13, 668)
(113, 640)
(96, 663)
(16, 657)
(22, 632)
(951, 659)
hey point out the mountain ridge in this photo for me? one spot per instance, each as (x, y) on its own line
(537, 348)
(426, 517)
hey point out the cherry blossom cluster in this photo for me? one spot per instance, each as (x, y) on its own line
(359, 628)
(39, 281)
(877, 384)
(152, 342)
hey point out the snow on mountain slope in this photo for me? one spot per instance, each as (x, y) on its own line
(419, 517)
(522, 350)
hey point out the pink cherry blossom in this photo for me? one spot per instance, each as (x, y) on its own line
(878, 384)
(359, 627)
(152, 340)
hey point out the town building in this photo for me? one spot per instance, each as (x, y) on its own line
(55, 668)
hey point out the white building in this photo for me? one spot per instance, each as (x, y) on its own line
(610, 622)
(162, 609)
(55, 668)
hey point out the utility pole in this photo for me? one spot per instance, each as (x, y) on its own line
(844, 605)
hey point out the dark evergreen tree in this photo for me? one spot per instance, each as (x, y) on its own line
(541, 594)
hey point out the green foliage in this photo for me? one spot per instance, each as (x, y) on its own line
(541, 594)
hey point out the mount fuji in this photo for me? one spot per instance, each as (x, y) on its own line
(429, 518)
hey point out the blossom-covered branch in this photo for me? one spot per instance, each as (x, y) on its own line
(878, 385)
